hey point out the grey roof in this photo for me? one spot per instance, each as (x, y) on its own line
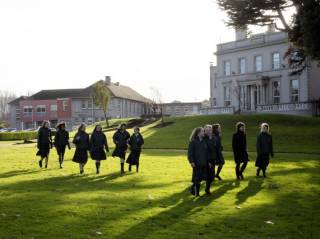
(116, 90)
(122, 91)
(58, 93)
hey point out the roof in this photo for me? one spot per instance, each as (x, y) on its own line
(16, 100)
(59, 93)
(122, 91)
(116, 90)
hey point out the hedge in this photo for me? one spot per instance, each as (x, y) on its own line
(22, 135)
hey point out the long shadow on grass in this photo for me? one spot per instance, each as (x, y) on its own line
(180, 205)
(254, 186)
(17, 173)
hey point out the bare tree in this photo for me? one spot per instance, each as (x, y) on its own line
(157, 99)
(5, 98)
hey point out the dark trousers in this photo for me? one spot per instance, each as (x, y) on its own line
(240, 169)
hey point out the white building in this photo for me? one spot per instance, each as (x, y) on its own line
(252, 75)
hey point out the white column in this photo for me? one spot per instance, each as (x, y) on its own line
(252, 97)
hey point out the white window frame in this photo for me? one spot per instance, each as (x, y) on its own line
(292, 94)
(227, 73)
(65, 104)
(42, 111)
(275, 67)
(53, 108)
(256, 65)
(242, 71)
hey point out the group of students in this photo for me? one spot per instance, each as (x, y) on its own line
(205, 154)
(96, 145)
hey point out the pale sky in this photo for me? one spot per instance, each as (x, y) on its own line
(166, 44)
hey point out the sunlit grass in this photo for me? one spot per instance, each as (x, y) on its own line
(155, 203)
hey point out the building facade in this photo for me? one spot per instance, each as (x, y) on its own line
(181, 108)
(75, 106)
(252, 75)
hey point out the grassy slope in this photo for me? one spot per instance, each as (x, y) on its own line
(54, 203)
(290, 133)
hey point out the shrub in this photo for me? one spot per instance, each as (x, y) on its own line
(21, 135)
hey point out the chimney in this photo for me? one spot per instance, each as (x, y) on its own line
(241, 33)
(108, 80)
(271, 28)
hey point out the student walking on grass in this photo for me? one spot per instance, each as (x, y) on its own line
(135, 143)
(81, 140)
(264, 149)
(219, 160)
(120, 139)
(211, 143)
(239, 146)
(61, 140)
(198, 156)
(44, 143)
(98, 146)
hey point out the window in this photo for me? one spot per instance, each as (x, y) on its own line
(41, 110)
(65, 105)
(83, 120)
(27, 111)
(53, 108)
(242, 65)
(295, 90)
(227, 68)
(276, 92)
(83, 104)
(90, 120)
(227, 97)
(258, 63)
(214, 102)
(275, 61)
(89, 104)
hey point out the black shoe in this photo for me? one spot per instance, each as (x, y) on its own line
(97, 171)
(46, 166)
(81, 171)
(40, 163)
(122, 172)
(218, 177)
(258, 173)
(208, 192)
(130, 168)
(241, 176)
(60, 166)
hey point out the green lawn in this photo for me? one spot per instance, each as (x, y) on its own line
(155, 203)
(290, 133)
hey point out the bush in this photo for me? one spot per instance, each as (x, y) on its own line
(22, 135)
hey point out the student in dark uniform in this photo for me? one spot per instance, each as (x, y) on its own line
(61, 140)
(239, 146)
(264, 149)
(120, 139)
(98, 145)
(211, 142)
(216, 131)
(135, 143)
(81, 140)
(198, 156)
(44, 143)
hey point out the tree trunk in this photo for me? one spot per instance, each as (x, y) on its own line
(106, 118)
